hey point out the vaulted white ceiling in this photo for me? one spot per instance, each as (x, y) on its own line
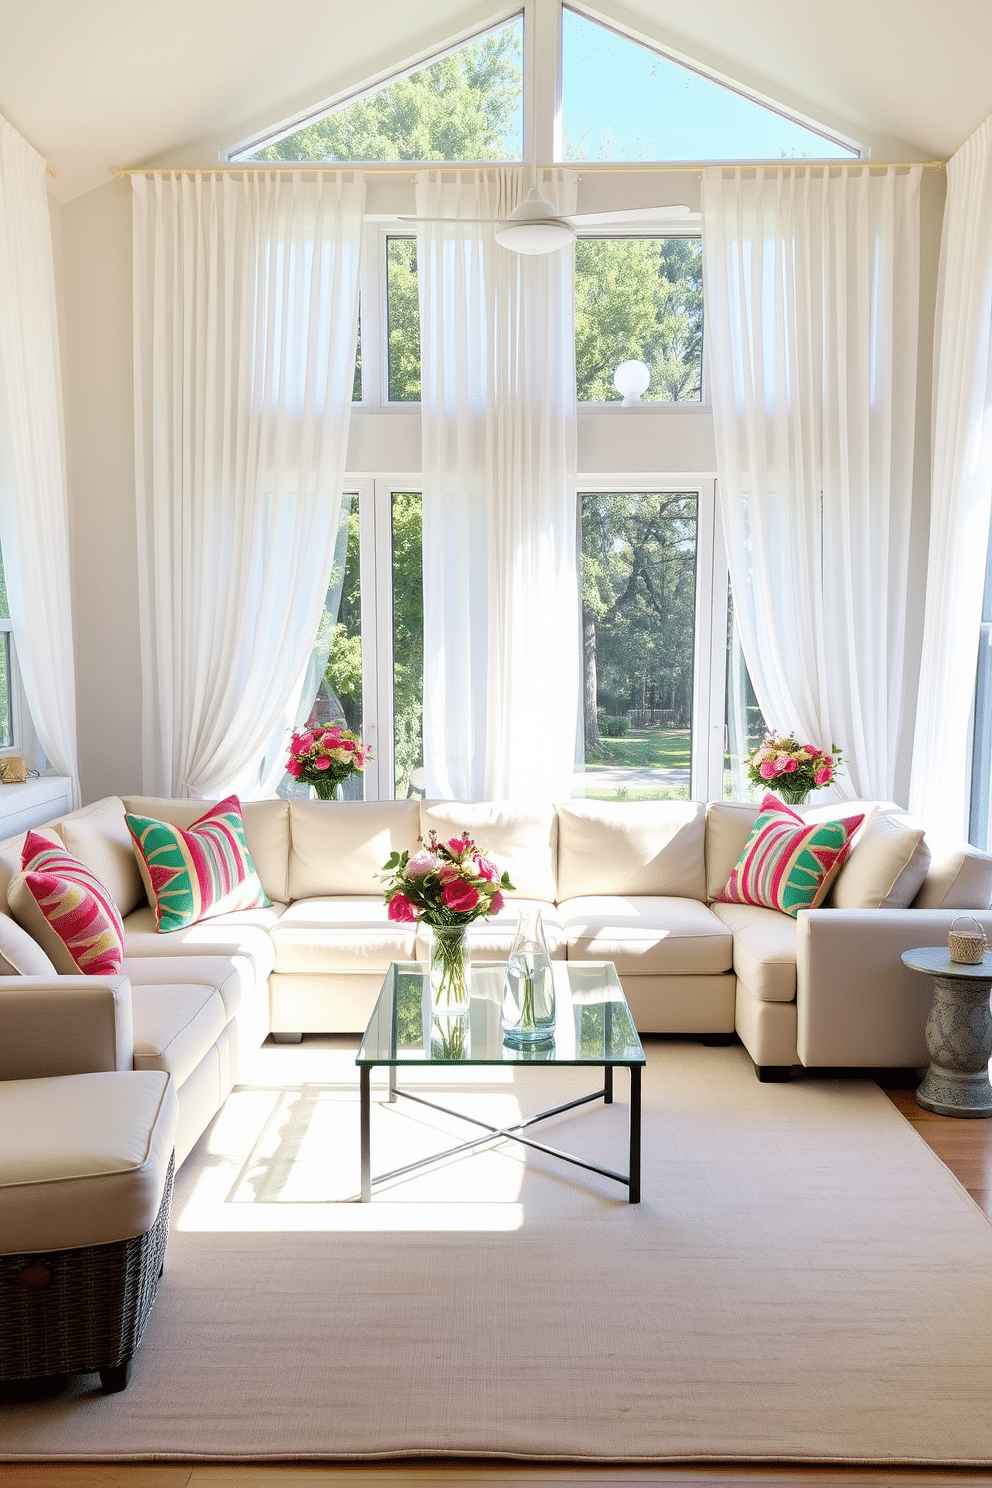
(99, 83)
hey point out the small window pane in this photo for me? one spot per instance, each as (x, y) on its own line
(403, 311)
(4, 606)
(745, 723)
(638, 616)
(356, 392)
(465, 106)
(6, 710)
(639, 299)
(408, 643)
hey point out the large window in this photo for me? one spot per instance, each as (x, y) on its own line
(638, 642)
(366, 669)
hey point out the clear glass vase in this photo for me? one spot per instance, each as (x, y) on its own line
(529, 988)
(450, 969)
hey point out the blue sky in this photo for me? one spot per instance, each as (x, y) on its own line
(621, 101)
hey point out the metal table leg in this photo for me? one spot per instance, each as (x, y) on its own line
(635, 1134)
(365, 1102)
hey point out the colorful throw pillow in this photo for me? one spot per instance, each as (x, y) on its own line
(64, 907)
(198, 872)
(789, 864)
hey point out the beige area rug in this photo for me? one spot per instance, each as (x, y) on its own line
(803, 1281)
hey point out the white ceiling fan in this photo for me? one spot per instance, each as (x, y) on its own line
(536, 226)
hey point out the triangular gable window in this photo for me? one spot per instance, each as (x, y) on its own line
(465, 105)
(624, 101)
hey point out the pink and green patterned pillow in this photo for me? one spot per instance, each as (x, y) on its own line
(63, 905)
(789, 864)
(200, 871)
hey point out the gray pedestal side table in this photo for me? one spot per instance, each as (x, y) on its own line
(959, 1033)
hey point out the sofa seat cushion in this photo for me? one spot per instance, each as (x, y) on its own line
(83, 1158)
(175, 1024)
(764, 949)
(490, 937)
(232, 976)
(243, 933)
(346, 932)
(647, 935)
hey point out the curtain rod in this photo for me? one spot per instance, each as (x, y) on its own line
(586, 168)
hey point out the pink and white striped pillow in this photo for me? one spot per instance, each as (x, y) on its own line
(63, 905)
(789, 864)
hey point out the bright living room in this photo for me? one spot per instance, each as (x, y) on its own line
(669, 447)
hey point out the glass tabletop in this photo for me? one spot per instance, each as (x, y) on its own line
(593, 1024)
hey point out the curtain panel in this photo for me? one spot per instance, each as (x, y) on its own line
(961, 492)
(245, 327)
(34, 523)
(501, 594)
(812, 304)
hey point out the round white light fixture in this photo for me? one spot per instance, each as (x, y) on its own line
(631, 380)
(535, 227)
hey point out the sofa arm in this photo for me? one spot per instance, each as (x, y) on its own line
(857, 1004)
(65, 1025)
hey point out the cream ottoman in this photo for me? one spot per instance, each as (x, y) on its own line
(85, 1186)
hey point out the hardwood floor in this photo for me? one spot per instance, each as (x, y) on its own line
(964, 1146)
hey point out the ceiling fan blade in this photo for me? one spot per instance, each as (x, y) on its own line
(677, 212)
(451, 219)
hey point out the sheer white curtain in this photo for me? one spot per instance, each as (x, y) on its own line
(812, 304)
(501, 605)
(245, 322)
(961, 490)
(33, 513)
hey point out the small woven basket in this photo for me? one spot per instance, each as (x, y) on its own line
(967, 946)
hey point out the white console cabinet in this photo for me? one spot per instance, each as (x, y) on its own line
(33, 802)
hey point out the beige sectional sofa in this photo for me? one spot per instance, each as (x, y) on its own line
(633, 883)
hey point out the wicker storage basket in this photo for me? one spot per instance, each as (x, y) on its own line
(967, 945)
(80, 1311)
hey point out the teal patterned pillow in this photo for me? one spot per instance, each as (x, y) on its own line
(788, 864)
(200, 871)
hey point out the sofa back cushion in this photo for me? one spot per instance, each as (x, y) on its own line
(886, 866)
(960, 877)
(339, 847)
(266, 826)
(98, 836)
(728, 827)
(521, 838)
(631, 848)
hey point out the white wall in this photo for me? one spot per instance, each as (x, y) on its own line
(96, 236)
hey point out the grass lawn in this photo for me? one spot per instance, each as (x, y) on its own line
(644, 749)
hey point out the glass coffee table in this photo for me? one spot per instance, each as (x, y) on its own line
(593, 1026)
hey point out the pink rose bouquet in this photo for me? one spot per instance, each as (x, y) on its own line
(443, 883)
(325, 758)
(781, 764)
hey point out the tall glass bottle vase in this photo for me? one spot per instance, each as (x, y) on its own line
(529, 988)
(450, 969)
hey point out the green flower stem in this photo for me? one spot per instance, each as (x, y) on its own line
(448, 965)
